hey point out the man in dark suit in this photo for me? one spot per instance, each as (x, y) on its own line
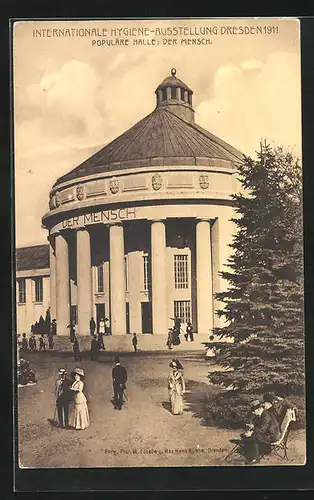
(119, 379)
(264, 431)
(63, 396)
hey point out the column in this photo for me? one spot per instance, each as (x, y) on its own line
(218, 322)
(159, 278)
(84, 281)
(52, 279)
(62, 285)
(204, 277)
(168, 91)
(117, 280)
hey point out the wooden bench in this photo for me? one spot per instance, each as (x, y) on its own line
(280, 447)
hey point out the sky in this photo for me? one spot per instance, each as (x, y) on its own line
(71, 97)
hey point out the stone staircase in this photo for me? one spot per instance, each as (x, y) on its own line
(123, 343)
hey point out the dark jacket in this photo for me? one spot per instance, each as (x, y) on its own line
(119, 375)
(63, 392)
(134, 340)
(266, 428)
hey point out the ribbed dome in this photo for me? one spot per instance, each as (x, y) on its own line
(161, 138)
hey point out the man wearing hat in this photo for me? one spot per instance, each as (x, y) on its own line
(269, 400)
(119, 378)
(63, 396)
(264, 431)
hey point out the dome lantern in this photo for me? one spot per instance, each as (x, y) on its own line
(177, 95)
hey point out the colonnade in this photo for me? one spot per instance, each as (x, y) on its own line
(60, 289)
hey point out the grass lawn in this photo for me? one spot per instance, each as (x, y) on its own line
(144, 433)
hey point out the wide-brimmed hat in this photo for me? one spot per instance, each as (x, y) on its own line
(255, 404)
(173, 364)
(79, 371)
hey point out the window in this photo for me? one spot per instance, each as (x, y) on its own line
(164, 95)
(147, 279)
(126, 272)
(182, 309)
(190, 98)
(173, 92)
(22, 290)
(181, 271)
(38, 289)
(182, 94)
(74, 315)
(100, 278)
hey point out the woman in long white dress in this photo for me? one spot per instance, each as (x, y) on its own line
(80, 415)
(176, 388)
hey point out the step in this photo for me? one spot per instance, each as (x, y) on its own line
(146, 342)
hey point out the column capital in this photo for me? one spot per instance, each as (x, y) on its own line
(158, 220)
(203, 219)
(117, 223)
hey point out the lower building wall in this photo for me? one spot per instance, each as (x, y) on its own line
(29, 312)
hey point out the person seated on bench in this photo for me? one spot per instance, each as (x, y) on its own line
(280, 406)
(263, 431)
(269, 400)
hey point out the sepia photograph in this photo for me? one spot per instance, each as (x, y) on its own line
(159, 280)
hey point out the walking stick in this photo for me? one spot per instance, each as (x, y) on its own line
(55, 414)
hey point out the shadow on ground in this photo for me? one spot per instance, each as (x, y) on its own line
(198, 395)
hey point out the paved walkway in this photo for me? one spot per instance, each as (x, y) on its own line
(144, 433)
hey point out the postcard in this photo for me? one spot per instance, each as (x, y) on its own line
(159, 243)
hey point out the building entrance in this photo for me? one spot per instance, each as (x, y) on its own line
(100, 313)
(147, 326)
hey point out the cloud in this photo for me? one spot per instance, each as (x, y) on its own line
(247, 106)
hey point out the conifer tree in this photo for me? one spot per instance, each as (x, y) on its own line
(263, 304)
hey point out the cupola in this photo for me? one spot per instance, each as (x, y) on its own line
(176, 95)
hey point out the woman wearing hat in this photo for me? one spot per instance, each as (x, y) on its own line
(176, 387)
(81, 415)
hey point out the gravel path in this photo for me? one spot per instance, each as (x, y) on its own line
(144, 433)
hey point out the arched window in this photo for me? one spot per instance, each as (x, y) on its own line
(182, 94)
(173, 92)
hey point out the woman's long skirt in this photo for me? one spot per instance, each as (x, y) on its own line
(80, 416)
(176, 401)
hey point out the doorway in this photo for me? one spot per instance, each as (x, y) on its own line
(147, 326)
(100, 313)
(127, 310)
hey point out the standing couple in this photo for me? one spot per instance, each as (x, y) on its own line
(67, 391)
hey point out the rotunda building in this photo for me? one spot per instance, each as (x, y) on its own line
(140, 231)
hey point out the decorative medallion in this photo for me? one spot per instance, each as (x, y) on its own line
(52, 202)
(156, 182)
(57, 199)
(203, 180)
(114, 185)
(80, 192)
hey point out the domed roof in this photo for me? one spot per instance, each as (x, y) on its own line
(161, 138)
(173, 81)
(167, 136)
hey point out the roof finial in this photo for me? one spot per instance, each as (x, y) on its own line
(173, 71)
